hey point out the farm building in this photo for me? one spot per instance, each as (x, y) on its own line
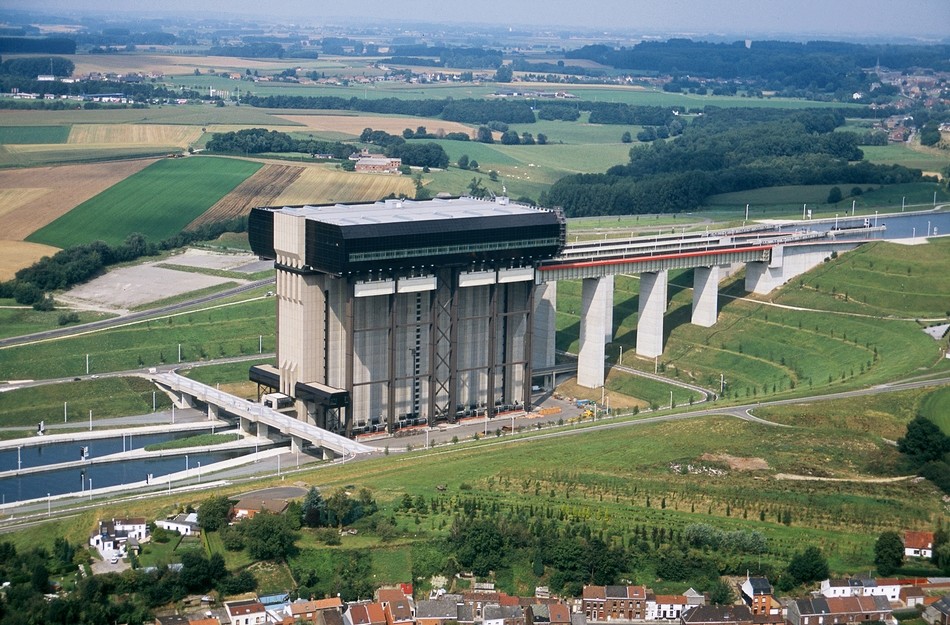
(378, 165)
(400, 313)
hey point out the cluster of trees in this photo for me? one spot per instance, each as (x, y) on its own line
(484, 536)
(927, 451)
(338, 510)
(422, 133)
(443, 56)
(652, 133)
(137, 91)
(562, 112)
(37, 45)
(511, 138)
(722, 152)
(128, 597)
(416, 154)
(468, 111)
(78, 263)
(258, 140)
(812, 68)
(31, 67)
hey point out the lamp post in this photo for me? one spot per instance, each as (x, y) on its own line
(620, 359)
(19, 463)
(902, 203)
(90, 489)
(722, 383)
(186, 462)
(199, 472)
(49, 506)
(836, 221)
(875, 219)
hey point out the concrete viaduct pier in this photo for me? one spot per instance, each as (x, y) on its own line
(770, 259)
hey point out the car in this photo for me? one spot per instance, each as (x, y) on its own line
(114, 560)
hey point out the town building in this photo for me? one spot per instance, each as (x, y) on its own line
(185, 524)
(938, 612)
(378, 165)
(246, 612)
(838, 610)
(717, 615)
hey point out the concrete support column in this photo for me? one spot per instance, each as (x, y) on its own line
(609, 309)
(705, 296)
(187, 401)
(652, 308)
(245, 425)
(590, 360)
(212, 412)
(545, 325)
(262, 429)
(296, 444)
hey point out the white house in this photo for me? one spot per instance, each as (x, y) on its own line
(184, 524)
(918, 544)
(113, 535)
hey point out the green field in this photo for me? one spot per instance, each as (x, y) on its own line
(786, 201)
(764, 351)
(866, 280)
(900, 154)
(203, 334)
(105, 397)
(936, 407)
(158, 202)
(75, 153)
(24, 320)
(33, 134)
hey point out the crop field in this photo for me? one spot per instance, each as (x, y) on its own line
(355, 124)
(33, 134)
(260, 189)
(866, 280)
(54, 191)
(158, 202)
(134, 134)
(66, 153)
(15, 255)
(320, 184)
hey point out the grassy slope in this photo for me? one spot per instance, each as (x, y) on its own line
(144, 202)
(936, 407)
(33, 134)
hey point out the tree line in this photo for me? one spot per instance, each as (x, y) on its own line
(721, 152)
(78, 263)
(258, 140)
(416, 154)
(815, 67)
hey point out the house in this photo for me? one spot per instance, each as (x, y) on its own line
(113, 535)
(554, 613)
(938, 612)
(185, 524)
(246, 612)
(918, 544)
(378, 165)
(313, 611)
(861, 587)
(842, 587)
(438, 611)
(397, 606)
(838, 610)
(364, 614)
(614, 603)
(717, 615)
(756, 592)
(205, 621)
(496, 614)
(249, 506)
(667, 607)
(172, 619)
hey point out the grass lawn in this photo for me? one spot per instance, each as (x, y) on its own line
(105, 397)
(936, 407)
(214, 332)
(158, 202)
(19, 321)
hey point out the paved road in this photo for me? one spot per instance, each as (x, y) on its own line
(135, 316)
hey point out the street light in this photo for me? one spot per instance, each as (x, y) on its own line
(186, 462)
(90, 489)
(49, 506)
(19, 463)
(199, 472)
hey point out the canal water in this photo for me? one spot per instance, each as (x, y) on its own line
(78, 479)
(898, 226)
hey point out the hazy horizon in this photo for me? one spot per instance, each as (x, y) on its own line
(926, 19)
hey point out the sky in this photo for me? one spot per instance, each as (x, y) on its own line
(846, 18)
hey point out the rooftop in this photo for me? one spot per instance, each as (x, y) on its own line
(402, 211)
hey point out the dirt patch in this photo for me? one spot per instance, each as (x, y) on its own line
(15, 255)
(867, 480)
(617, 401)
(129, 287)
(355, 124)
(738, 464)
(261, 189)
(320, 184)
(205, 259)
(65, 188)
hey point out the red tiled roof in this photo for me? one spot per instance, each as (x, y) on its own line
(595, 592)
(918, 540)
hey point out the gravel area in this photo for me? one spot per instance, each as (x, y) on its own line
(205, 259)
(129, 287)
